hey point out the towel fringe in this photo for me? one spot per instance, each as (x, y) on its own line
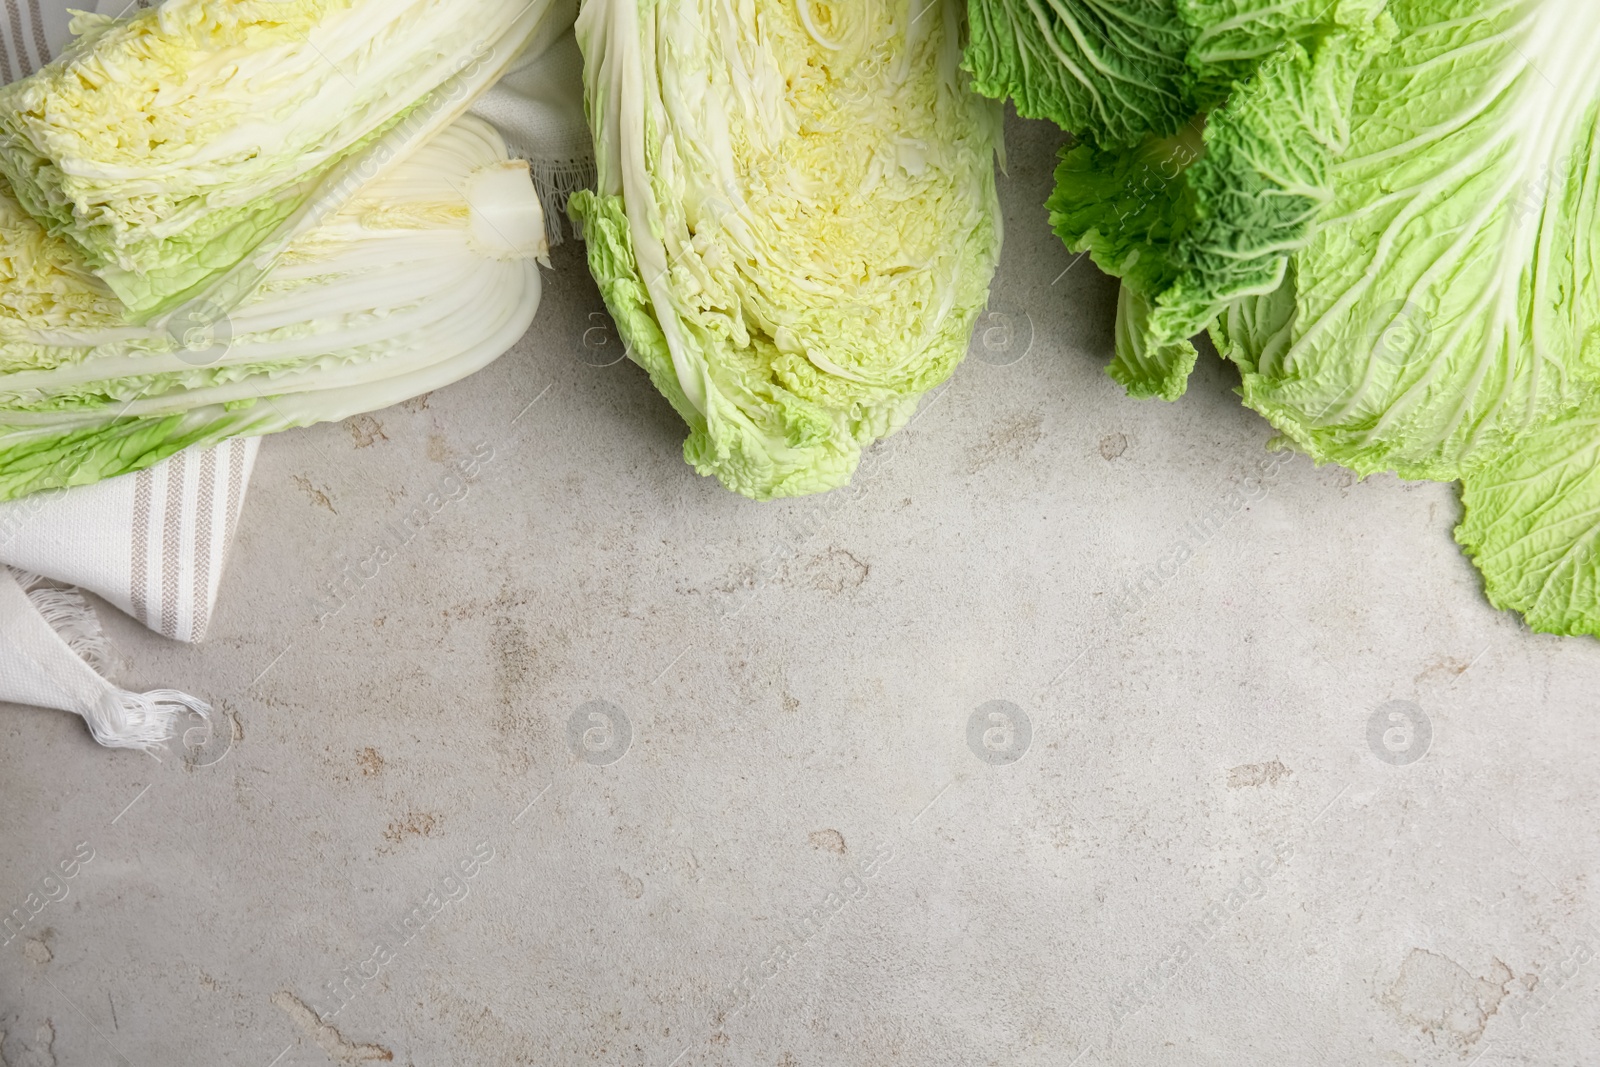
(118, 718)
(556, 181)
(71, 617)
(122, 719)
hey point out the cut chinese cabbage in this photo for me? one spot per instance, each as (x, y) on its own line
(170, 145)
(423, 277)
(796, 220)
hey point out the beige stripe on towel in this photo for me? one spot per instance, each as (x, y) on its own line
(202, 541)
(18, 47)
(40, 45)
(8, 69)
(172, 545)
(143, 495)
(236, 456)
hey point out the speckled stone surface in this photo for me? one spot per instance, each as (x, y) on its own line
(1081, 731)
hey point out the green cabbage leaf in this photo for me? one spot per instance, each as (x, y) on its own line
(1531, 523)
(1448, 301)
(1119, 73)
(1389, 223)
(1442, 323)
(1204, 130)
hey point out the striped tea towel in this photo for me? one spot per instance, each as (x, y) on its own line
(32, 31)
(153, 544)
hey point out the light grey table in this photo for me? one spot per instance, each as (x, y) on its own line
(619, 768)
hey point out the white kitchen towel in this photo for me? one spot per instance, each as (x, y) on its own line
(53, 655)
(153, 543)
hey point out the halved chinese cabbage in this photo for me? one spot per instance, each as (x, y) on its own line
(796, 221)
(170, 145)
(423, 277)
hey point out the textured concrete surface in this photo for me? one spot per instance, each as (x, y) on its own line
(608, 766)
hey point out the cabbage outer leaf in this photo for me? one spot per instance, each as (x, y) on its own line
(1205, 131)
(1447, 302)
(1117, 73)
(1196, 222)
(1532, 524)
